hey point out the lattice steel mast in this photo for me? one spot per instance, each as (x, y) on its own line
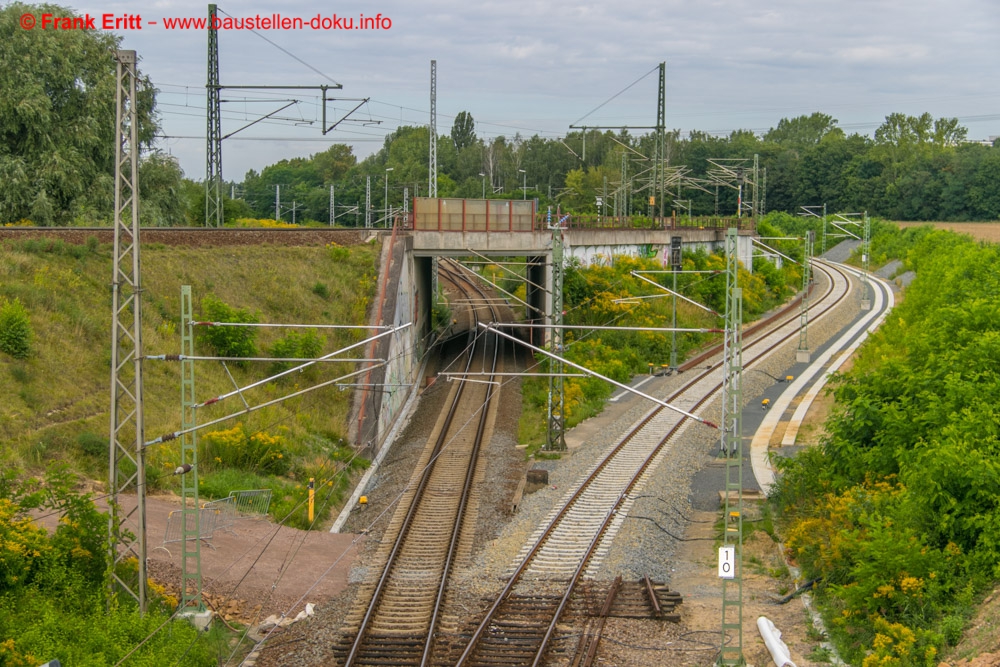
(556, 432)
(432, 131)
(802, 353)
(661, 132)
(731, 652)
(432, 167)
(866, 240)
(213, 138)
(190, 507)
(127, 460)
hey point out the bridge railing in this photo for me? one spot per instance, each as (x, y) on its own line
(593, 221)
(472, 215)
(514, 215)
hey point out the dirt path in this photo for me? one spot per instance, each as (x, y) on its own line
(254, 569)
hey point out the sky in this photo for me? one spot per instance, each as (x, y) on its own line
(537, 68)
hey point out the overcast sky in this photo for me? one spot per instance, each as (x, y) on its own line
(539, 67)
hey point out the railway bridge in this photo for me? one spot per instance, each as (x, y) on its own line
(494, 228)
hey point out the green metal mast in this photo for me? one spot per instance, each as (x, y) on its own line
(731, 652)
(802, 353)
(866, 240)
(659, 157)
(676, 245)
(213, 146)
(823, 251)
(556, 432)
(190, 511)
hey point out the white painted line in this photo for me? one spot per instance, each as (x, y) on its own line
(792, 432)
(759, 459)
(614, 399)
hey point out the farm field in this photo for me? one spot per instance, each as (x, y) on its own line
(983, 231)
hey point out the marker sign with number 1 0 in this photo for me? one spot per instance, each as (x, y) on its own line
(727, 562)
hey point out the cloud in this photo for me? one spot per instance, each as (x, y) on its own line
(870, 54)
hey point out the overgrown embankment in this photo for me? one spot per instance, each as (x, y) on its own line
(54, 398)
(609, 295)
(897, 513)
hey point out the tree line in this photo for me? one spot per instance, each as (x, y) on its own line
(57, 143)
(914, 168)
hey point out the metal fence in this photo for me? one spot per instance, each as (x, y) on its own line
(219, 514)
(252, 503)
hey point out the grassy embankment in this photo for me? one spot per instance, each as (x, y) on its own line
(895, 513)
(54, 403)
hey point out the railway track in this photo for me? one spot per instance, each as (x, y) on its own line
(520, 626)
(397, 619)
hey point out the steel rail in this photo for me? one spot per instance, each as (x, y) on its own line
(414, 508)
(776, 324)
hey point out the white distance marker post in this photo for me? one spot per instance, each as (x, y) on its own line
(727, 560)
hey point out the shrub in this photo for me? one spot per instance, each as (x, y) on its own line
(295, 345)
(228, 341)
(93, 444)
(321, 290)
(15, 329)
(235, 448)
(22, 547)
(951, 627)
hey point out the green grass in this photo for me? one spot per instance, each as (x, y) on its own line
(54, 405)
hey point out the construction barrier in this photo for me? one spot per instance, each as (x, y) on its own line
(219, 514)
(252, 504)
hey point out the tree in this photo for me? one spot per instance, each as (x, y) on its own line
(463, 132)
(57, 133)
(161, 202)
(802, 131)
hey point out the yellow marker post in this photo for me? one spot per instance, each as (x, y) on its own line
(312, 496)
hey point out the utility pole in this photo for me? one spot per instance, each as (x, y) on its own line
(127, 457)
(333, 208)
(556, 432)
(277, 201)
(731, 552)
(433, 158)
(802, 354)
(675, 266)
(432, 171)
(756, 190)
(623, 204)
(824, 229)
(866, 299)
(661, 127)
(368, 202)
(763, 193)
(190, 507)
(213, 149)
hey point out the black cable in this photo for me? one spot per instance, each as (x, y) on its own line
(617, 94)
(679, 539)
(286, 51)
(675, 509)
